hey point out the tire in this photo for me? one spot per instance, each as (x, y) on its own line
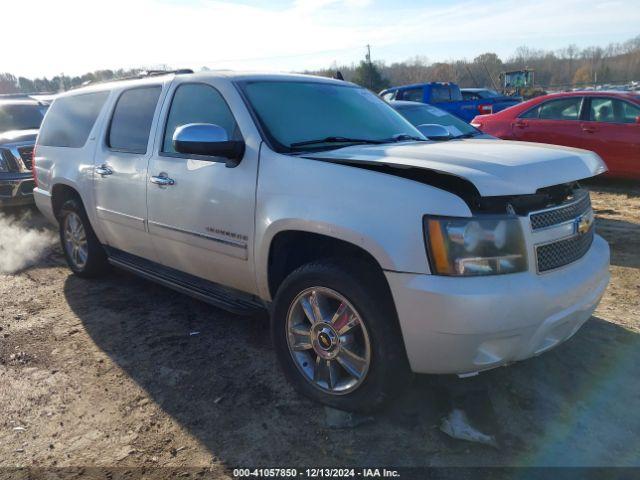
(90, 261)
(368, 298)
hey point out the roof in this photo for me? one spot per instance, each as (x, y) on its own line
(595, 93)
(204, 75)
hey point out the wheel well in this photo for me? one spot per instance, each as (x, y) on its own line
(292, 249)
(60, 194)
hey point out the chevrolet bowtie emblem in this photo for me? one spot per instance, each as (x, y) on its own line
(584, 222)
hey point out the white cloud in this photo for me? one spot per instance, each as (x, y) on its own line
(314, 5)
(75, 36)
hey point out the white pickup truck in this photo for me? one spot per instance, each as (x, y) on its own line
(377, 250)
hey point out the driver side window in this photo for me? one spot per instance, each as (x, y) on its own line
(198, 103)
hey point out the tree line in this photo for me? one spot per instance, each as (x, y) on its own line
(617, 63)
(10, 83)
(563, 68)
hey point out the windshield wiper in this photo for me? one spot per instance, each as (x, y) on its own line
(468, 135)
(404, 136)
(336, 140)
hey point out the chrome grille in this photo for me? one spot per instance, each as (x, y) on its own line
(548, 218)
(8, 159)
(563, 252)
(26, 154)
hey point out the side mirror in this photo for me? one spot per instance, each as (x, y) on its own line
(209, 140)
(433, 131)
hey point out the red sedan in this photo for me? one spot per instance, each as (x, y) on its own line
(607, 123)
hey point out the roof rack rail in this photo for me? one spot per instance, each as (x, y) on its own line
(138, 76)
(152, 73)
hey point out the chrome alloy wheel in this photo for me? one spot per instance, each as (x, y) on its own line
(328, 340)
(75, 240)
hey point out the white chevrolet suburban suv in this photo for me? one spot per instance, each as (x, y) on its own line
(376, 250)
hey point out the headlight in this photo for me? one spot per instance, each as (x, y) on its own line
(489, 245)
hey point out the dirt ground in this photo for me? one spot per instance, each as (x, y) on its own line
(123, 372)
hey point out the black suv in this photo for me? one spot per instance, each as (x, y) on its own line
(20, 118)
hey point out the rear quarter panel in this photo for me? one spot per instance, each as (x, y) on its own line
(72, 167)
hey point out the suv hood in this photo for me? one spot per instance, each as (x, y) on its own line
(495, 167)
(15, 136)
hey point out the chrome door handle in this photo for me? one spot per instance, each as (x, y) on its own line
(103, 170)
(163, 180)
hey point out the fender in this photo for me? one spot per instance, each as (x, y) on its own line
(378, 212)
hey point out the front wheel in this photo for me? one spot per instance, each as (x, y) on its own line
(337, 337)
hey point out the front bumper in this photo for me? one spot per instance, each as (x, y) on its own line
(465, 325)
(16, 189)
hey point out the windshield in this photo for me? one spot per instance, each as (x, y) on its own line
(421, 114)
(20, 117)
(293, 113)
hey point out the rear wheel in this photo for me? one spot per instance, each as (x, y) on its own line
(337, 337)
(82, 249)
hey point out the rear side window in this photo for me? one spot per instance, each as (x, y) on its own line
(198, 103)
(446, 93)
(413, 94)
(70, 120)
(612, 110)
(630, 113)
(440, 94)
(132, 119)
(454, 93)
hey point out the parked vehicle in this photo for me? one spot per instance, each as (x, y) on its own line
(376, 250)
(421, 114)
(520, 83)
(607, 123)
(448, 97)
(497, 100)
(20, 118)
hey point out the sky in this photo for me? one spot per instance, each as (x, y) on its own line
(77, 36)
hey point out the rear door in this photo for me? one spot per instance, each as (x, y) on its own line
(555, 121)
(203, 223)
(611, 130)
(120, 170)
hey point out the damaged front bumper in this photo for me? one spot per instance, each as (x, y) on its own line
(466, 325)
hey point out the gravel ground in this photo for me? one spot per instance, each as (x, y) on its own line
(123, 372)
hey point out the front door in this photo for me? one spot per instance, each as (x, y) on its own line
(203, 223)
(120, 171)
(555, 121)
